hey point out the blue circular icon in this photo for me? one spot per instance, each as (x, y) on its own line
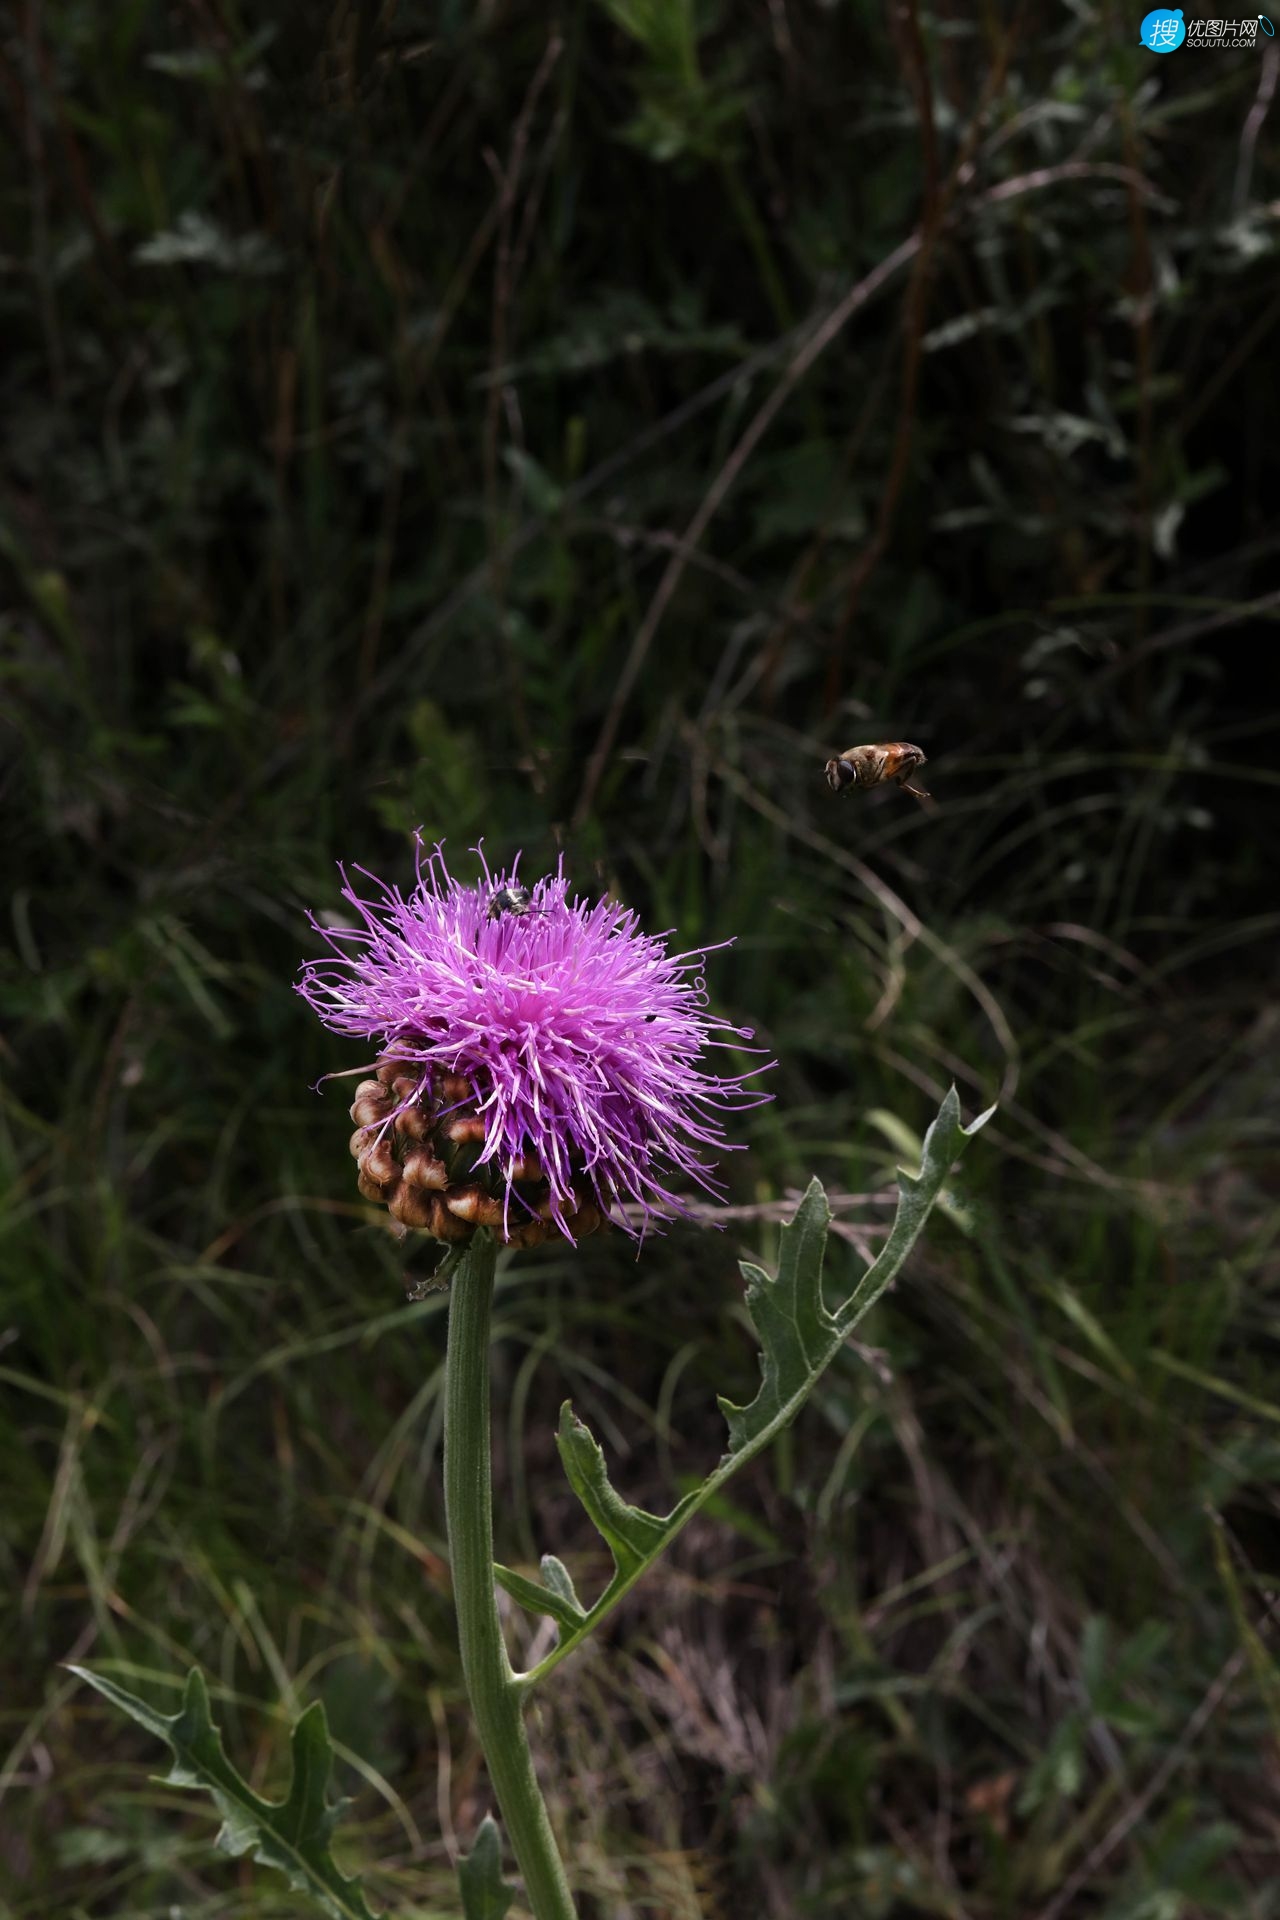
(1163, 30)
(1266, 25)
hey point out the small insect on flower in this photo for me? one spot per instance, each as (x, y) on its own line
(541, 1068)
(515, 900)
(871, 766)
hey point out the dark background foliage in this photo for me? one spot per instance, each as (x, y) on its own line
(568, 425)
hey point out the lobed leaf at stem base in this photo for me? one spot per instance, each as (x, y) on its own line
(292, 1834)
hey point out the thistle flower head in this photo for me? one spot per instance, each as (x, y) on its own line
(546, 1034)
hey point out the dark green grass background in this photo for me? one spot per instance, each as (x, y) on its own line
(418, 415)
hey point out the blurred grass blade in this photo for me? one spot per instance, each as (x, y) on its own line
(1065, 1297)
(1262, 1665)
(291, 1835)
(1214, 1383)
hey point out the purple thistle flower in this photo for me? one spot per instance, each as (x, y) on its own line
(581, 1036)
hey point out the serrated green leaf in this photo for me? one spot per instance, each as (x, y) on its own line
(485, 1894)
(292, 1834)
(917, 1193)
(557, 1597)
(537, 1598)
(799, 1338)
(797, 1334)
(559, 1579)
(632, 1535)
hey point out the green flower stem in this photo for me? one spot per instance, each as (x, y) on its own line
(496, 1697)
